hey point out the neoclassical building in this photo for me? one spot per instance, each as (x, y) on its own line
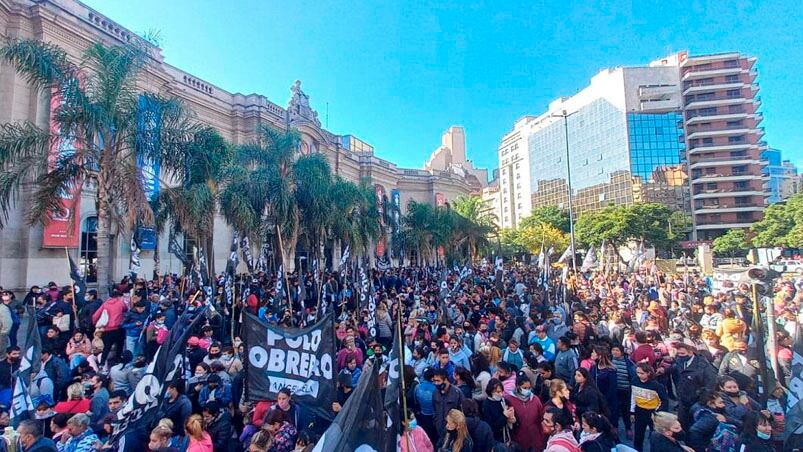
(26, 257)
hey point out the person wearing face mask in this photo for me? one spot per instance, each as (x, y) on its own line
(213, 354)
(137, 371)
(31, 439)
(218, 424)
(527, 410)
(456, 437)
(8, 367)
(446, 398)
(414, 438)
(496, 412)
(737, 402)
(177, 407)
(667, 434)
(6, 323)
(481, 337)
(757, 432)
(418, 361)
(692, 375)
(708, 414)
(737, 365)
(215, 389)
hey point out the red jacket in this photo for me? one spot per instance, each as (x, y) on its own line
(116, 308)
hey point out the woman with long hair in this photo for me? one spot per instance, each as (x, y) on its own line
(757, 432)
(527, 410)
(199, 440)
(585, 395)
(456, 438)
(559, 397)
(464, 381)
(737, 403)
(598, 435)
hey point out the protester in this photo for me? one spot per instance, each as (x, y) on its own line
(558, 427)
(456, 437)
(667, 434)
(526, 412)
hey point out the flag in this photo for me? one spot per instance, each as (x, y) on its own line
(361, 425)
(231, 269)
(138, 414)
(499, 275)
(371, 324)
(540, 262)
(566, 255)
(794, 412)
(134, 263)
(79, 282)
(547, 268)
(277, 300)
(178, 251)
(262, 262)
(206, 283)
(393, 390)
(245, 247)
(590, 260)
(444, 292)
(22, 406)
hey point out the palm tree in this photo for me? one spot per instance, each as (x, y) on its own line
(313, 197)
(198, 178)
(99, 132)
(421, 230)
(478, 225)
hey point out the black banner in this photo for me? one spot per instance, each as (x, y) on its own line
(138, 414)
(361, 424)
(302, 359)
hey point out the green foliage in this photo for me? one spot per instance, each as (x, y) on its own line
(734, 242)
(653, 223)
(782, 225)
(551, 215)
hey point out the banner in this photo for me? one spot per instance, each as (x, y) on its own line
(726, 279)
(138, 414)
(149, 120)
(29, 340)
(134, 263)
(245, 247)
(301, 359)
(362, 424)
(79, 282)
(62, 229)
(178, 251)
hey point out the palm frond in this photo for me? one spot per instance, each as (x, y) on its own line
(44, 65)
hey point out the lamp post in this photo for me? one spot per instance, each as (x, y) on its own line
(565, 117)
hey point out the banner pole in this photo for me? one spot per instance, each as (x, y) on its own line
(72, 288)
(403, 392)
(284, 275)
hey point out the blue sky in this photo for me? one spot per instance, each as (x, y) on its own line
(397, 74)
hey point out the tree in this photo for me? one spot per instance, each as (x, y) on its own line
(551, 215)
(648, 222)
(98, 130)
(778, 222)
(193, 201)
(475, 225)
(542, 237)
(422, 231)
(732, 243)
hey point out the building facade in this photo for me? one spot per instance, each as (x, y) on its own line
(625, 143)
(725, 142)
(782, 178)
(514, 174)
(683, 131)
(24, 257)
(450, 156)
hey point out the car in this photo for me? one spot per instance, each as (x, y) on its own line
(788, 266)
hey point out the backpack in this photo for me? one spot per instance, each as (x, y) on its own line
(161, 334)
(725, 439)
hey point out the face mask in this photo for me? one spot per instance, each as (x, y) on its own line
(583, 434)
(679, 436)
(682, 360)
(732, 393)
(496, 398)
(199, 374)
(442, 386)
(762, 435)
(526, 392)
(413, 424)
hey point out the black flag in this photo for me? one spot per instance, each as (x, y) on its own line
(79, 282)
(22, 407)
(138, 414)
(178, 251)
(361, 425)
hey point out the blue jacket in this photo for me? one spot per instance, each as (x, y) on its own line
(550, 349)
(130, 320)
(423, 395)
(222, 394)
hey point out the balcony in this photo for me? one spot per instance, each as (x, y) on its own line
(732, 177)
(725, 208)
(721, 193)
(693, 75)
(721, 161)
(724, 131)
(696, 117)
(714, 86)
(718, 101)
(699, 149)
(714, 226)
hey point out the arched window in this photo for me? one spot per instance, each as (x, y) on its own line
(89, 248)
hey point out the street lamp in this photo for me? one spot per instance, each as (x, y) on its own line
(565, 117)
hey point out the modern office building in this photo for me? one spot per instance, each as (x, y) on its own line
(26, 258)
(683, 131)
(625, 142)
(782, 178)
(725, 141)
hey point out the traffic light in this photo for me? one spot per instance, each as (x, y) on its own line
(763, 278)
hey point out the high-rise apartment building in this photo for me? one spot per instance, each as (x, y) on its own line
(683, 131)
(514, 174)
(724, 142)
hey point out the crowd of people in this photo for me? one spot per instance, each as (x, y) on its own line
(507, 360)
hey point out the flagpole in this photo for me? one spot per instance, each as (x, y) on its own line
(72, 288)
(403, 392)
(284, 273)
